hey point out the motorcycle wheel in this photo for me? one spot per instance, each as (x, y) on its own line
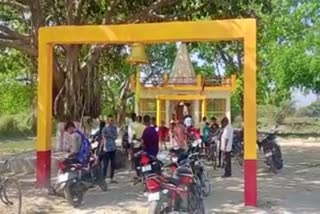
(272, 165)
(195, 201)
(160, 207)
(73, 194)
(205, 183)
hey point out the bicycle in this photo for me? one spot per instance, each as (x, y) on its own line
(211, 155)
(11, 201)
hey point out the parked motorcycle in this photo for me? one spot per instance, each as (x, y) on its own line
(272, 152)
(74, 179)
(198, 168)
(177, 194)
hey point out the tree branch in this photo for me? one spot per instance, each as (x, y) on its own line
(141, 16)
(14, 4)
(79, 8)
(24, 48)
(12, 35)
(109, 12)
(97, 50)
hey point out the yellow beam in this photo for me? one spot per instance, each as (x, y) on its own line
(181, 97)
(189, 88)
(231, 29)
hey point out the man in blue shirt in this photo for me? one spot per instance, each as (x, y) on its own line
(109, 147)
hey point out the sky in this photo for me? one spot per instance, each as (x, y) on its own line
(303, 100)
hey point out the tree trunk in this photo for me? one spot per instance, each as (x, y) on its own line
(77, 90)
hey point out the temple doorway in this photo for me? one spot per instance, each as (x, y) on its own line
(181, 109)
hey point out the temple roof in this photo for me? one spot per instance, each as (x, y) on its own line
(182, 70)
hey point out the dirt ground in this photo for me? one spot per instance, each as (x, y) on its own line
(296, 189)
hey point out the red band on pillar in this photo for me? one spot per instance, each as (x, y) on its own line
(43, 168)
(250, 182)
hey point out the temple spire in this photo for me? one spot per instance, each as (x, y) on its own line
(182, 70)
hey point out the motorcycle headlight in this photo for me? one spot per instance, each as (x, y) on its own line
(174, 159)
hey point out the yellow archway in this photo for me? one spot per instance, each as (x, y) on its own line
(232, 29)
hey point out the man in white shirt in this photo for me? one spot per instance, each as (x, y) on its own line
(226, 145)
(188, 121)
(131, 127)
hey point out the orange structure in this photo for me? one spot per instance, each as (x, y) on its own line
(232, 29)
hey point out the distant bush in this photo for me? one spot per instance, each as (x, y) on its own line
(16, 125)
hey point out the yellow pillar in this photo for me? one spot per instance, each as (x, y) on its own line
(158, 116)
(203, 108)
(250, 117)
(138, 91)
(45, 76)
(249, 94)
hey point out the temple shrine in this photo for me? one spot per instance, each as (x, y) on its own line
(181, 91)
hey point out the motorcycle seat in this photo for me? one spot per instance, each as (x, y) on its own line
(174, 180)
(76, 165)
(183, 170)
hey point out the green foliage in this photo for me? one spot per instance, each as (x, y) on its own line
(16, 125)
(289, 46)
(15, 95)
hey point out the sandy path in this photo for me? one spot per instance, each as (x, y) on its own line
(294, 190)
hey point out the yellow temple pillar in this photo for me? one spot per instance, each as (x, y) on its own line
(203, 108)
(137, 92)
(158, 116)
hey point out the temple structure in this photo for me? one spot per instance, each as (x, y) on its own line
(182, 92)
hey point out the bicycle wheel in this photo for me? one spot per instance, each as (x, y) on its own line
(214, 160)
(12, 197)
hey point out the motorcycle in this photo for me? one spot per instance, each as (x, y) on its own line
(178, 193)
(272, 152)
(74, 179)
(147, 164)
(198, 168)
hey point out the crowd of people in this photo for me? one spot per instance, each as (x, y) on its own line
(144, 133)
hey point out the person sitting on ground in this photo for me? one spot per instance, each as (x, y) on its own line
(163, 134)
(150, 140)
